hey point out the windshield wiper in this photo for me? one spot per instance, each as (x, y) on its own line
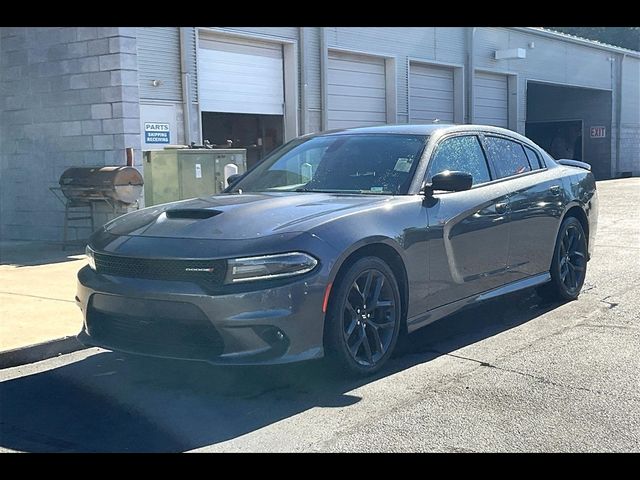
(366, 192)
(321, 190)
(369, 192)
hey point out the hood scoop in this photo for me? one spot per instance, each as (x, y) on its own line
(191, 213)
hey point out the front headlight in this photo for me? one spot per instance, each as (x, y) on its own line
(268, 267)
(90, 258)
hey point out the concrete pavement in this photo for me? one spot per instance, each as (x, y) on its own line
(37, 308)
(514, 374)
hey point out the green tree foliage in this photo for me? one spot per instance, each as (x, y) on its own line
(627, 37)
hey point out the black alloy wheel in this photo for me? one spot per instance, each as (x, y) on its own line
(364, 319)
(569, 265)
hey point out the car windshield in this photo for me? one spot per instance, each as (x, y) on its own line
(359, 163)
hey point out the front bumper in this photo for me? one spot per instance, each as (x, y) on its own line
(175, 319)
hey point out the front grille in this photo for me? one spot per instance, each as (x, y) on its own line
(155, 327)
(161, 269)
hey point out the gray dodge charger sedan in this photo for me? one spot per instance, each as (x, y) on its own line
(339, 242)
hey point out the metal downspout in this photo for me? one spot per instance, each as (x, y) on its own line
(619, 113)
(304, 113)
(471, 32)
(186, 85)
(324, 64)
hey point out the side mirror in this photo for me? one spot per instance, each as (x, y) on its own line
(231, 179)
(449, 182)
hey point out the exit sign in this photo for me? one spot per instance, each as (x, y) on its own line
(598, 132)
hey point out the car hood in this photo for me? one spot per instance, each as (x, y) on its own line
(240, 216)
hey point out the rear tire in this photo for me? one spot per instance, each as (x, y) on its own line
(364, 317)
(569, 264)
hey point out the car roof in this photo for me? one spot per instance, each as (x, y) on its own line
(426, 129)
(402, 129)
(418, 129)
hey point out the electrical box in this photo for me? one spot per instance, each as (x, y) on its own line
(178, 174)
(510, 53)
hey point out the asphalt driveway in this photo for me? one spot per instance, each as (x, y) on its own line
(514, 374)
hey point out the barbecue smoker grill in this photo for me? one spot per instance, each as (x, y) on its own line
(83, 187)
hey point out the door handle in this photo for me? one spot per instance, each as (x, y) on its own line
(554, 190)
(502, 207)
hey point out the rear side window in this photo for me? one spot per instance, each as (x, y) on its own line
(463, 154)
(534, 158)
(508, 157)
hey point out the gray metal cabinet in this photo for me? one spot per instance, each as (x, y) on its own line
(178, 174)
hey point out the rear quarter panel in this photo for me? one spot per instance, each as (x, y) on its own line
(582, 191)
(534, 229)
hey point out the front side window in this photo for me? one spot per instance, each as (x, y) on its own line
(508, 157)
(463, 154)
(349, 163)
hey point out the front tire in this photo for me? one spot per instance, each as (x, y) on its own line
(569, 264)
(364, 317)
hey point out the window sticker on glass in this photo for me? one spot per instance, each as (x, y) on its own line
(403, 165)
(377, 189)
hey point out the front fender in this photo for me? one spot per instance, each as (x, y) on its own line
(372, 240)
(401, 227)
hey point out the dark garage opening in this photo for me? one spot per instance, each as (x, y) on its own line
(571, 122)
(560, 139)
(259, 134)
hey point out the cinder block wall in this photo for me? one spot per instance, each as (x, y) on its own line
(68, 97)
(630, 150)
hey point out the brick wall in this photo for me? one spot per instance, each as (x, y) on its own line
(68, 97)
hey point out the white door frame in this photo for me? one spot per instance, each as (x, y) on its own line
(391, 88)
(290, 67)
(458, 85)
(512, 96)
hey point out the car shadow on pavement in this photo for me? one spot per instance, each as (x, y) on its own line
(116, 403)
(31, 254)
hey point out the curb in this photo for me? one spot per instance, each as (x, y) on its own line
(40, 351)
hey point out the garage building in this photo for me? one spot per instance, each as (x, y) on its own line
(79, 96)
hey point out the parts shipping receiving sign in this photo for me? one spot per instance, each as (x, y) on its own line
(156, 132)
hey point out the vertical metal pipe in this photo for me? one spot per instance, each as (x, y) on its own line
(471, 32)
(304, 110)
(186, 84)
(129, 155)
(324, 64)
(620, 72)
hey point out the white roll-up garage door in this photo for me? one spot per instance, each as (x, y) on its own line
(492, 99)
(240, 76)
(356, 90)
(430, 93)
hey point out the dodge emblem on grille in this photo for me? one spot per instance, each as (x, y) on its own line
(208, 270)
